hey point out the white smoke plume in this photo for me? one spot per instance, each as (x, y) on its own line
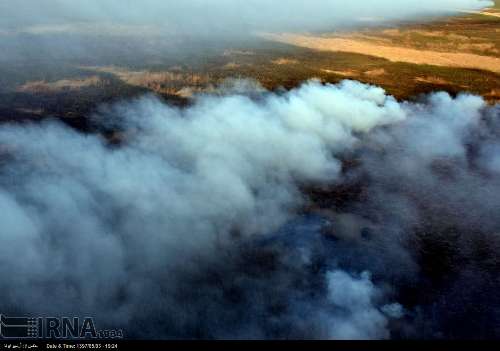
(190, 225)
(359, 318)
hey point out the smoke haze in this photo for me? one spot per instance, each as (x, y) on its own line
(48, 30)
(226, 15)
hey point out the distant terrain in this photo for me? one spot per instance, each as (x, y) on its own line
(465, 43)
(454, 54)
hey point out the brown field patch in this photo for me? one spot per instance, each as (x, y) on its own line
(432, 80)
(165, 82)
(375, 72)
(391, 53)
(232, 65)
(285, 61)
(392, 32)
(42, 86)
(479, 47)
(345, 73)
(231, 52)
(490, 12)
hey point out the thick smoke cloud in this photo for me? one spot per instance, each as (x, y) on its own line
(185, 184)
(434, 187)
(205, 221)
